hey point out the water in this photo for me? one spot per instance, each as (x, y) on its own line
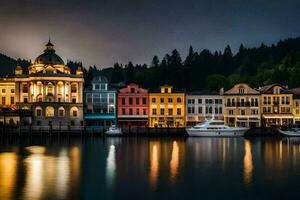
(149, 168)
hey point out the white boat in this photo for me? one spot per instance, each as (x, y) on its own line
(215, 128)
(114, 131)
(292, 132)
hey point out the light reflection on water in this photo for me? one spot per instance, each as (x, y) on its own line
(135, 168)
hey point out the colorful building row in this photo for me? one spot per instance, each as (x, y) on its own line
(55, 96)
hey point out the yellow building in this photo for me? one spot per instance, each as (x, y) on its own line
(7, 93)
(242, 106)
(167, 108)
(296, 105)
(276, 105)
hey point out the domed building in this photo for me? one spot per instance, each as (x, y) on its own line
(51, 91)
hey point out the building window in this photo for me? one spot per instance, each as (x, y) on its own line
(130, 111)
(242, 112)
(25, 88)
(3, 101)
(242, 90)
(144, 101)
(130, 101)
(132, 90)
(123, 101)
(123, 111)
(137, 101)
(12, 100)
(170, 111)
(191, 101)
(3, 90)
(220, 110)
(49, 111)
(162, 100)
(153, 100)
(97, 87)
(144, 112)
(179, 111)
(170, 100)
(74, 113)
(61, 112)
(25, 99)
(138, 111)
(73, 88)
(73, 100)
(230, 112)
(208, 110)
(199, 101)
(166, 90)
(154, 111)
(199, 110)
(191, 110)
(12, 90)
(179, 100)
(38, 112)
(254, 112)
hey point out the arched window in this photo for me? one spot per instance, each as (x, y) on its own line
(38, 111)
(50, 89)
(242, 90)
(49, 111)
(74, 112)
(61, 112)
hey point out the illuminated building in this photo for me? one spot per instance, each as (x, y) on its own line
(242, 106)
(296, 105)
(100, 103)
(133, 106)
(50, 91)
(167, 108)
(276, 105)
(201, 106)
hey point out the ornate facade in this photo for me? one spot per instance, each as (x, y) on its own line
(50, 91)
(242, 106)
(276, 105)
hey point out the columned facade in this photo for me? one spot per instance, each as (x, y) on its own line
(50, 91)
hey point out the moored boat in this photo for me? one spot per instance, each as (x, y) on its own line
(215, 128)
(114, 131)
(292, 132)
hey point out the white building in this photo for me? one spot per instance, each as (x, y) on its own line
(202, 105)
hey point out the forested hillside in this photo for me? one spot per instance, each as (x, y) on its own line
(278, 63)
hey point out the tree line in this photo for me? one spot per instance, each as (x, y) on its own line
(199, 70)
(206, 70)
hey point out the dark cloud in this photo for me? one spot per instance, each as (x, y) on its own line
(102, 32)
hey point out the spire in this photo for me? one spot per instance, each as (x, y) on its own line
(49, 47)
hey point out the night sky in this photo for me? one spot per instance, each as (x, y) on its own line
(102, 32)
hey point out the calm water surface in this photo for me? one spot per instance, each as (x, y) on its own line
(143, 168)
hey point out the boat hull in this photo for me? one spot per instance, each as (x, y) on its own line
(290, 133)
(216, 133)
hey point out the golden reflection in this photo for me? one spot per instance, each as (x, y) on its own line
(8, 166)
(111, 166)
(62, 174)
(36, 149)
(75, 163)
(154, 163)
(248, 164)
(174, 163)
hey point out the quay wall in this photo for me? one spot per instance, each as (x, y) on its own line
(100, 131)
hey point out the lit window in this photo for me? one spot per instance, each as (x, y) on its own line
(49, 111)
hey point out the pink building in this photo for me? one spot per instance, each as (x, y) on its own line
(133, 106)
